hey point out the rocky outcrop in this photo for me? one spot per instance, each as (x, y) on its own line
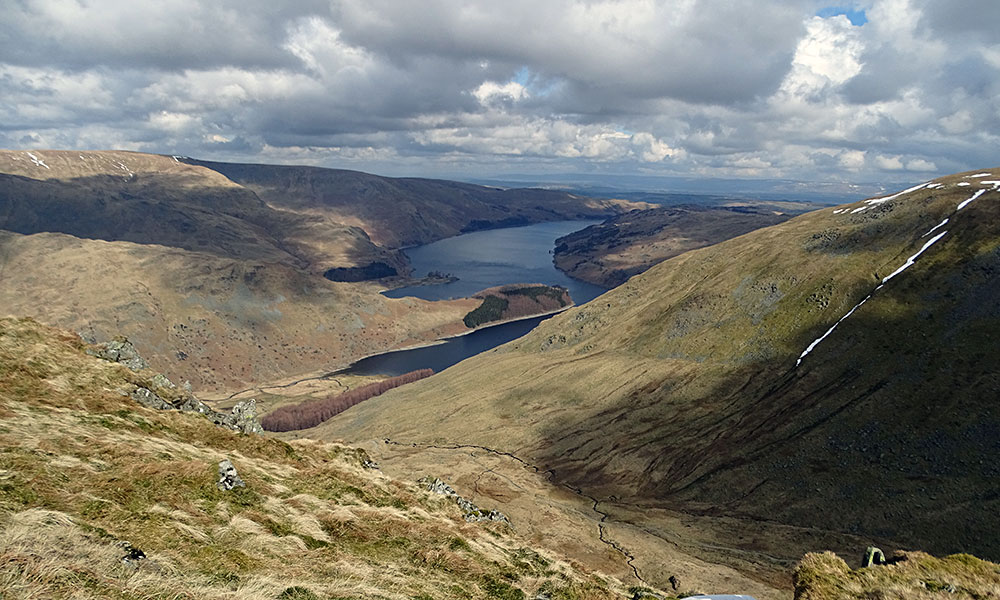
(156, 391)
(471, 512)
(242, 417)
(228, 477)
(119, 350)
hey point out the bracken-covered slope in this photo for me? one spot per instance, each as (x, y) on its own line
(838, 371)
(220, 323)
(103, 498)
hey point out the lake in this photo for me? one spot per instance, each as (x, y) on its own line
(480, 260)
(496, 257)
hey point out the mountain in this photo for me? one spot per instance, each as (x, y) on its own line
(402, 212)
(832, 375)
(608, 253)
(224, 287)
(102, 497)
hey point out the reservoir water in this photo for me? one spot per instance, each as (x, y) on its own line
(480, 260)
(496, 257)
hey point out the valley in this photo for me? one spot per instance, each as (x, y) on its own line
(708, 421)
(679, 393)
(222, 284)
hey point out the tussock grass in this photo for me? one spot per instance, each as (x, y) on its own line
(910, 576)
(83, 469)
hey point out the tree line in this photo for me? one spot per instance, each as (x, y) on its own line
(313, 412)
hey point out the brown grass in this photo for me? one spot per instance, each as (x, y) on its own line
(910, 576)
(82, 469)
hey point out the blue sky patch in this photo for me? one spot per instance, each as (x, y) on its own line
(857, 17)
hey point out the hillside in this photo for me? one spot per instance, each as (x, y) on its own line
(152, 199)
(103, 498)
(608, 253)
(216, 284)
(217, 322)
(907, 576)
(833, 374)
(401, 212)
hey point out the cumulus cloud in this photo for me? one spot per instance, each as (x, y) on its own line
(714, 87)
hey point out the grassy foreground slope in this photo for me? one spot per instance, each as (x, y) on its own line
(84, 469)
(681, 388)
(909, 576)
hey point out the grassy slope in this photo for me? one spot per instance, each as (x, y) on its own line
(680, 389)
(218, 322)
(910, 576)
(83, 468)
(152, 199)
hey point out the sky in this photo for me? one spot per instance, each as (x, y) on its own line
(866, 91)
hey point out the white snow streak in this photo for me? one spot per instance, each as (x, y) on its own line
(935, 228)
(974, 196)
(874, 201)
(978, 175)
(897, 195)
(963, 183)
(38, 162)
(909, 262)
(829, 331)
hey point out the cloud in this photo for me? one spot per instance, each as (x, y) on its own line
(773, 88)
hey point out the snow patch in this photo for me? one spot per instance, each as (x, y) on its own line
(38, 162)
(978, 175)
(935, 228)
(897, 195)
(974, 196)
(963, 183)
(909, 262)
(830, 330)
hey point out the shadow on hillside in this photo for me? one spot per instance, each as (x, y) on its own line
(890, 427)
(180, 211)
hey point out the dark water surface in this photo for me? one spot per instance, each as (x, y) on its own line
(496, 257)
(480, 260)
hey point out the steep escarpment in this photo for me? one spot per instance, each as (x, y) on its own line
(834, 372)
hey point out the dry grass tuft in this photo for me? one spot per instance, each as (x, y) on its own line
(909, 576)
